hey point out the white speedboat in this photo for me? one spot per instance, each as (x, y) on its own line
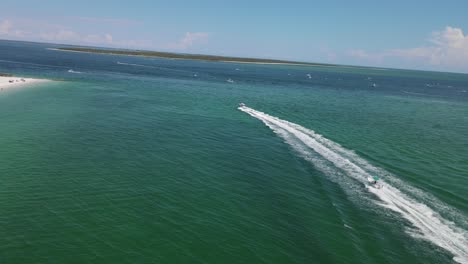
(374, 181)
(241, 105)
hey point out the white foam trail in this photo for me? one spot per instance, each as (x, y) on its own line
(320, 151)
(134, 64)
(72, 71)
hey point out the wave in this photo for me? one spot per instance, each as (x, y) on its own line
(406, 92)
(72, 71)
(134, 64)
(347, 168)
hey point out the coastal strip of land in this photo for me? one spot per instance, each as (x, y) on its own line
(170, 55)
(8, 81)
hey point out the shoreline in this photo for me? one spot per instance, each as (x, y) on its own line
(109, 52)
(211, 58)
(12, 82)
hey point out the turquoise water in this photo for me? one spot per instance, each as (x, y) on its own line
(143, 160)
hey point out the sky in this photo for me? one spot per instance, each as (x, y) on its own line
(425, 35)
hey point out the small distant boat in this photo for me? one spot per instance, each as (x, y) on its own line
(309, 76)
(374, 182)
(374, 85)
(230, 80)
(241, 105)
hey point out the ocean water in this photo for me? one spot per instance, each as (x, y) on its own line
(146, 160)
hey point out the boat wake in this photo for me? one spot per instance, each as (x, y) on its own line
(351, 172)
(134, 64)
(72, 71)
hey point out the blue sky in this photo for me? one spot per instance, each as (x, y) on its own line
(401, 34)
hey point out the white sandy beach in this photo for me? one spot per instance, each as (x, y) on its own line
(16, 82)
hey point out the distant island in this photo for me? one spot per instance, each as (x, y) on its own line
(170, 55)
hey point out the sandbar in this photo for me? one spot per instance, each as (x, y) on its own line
(16, 82)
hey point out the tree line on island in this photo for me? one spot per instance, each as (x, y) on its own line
(171, 55)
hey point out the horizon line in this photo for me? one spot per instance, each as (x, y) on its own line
(286, 62)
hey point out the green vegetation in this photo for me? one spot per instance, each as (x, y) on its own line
(188, 56)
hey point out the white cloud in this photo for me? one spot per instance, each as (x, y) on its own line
(129, 44)
(60, 36)
(451, 37)
(326, 55)
(68, 33)
(364, 55)
(5, 27)
(38, 30)
(98, 39)
(450, 48)
(189, 40)
(108, 38)
(446, 50)
(68, 36)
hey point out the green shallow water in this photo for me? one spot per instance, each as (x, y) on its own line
(149, 164)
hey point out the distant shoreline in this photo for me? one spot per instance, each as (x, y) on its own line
(169, 55)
